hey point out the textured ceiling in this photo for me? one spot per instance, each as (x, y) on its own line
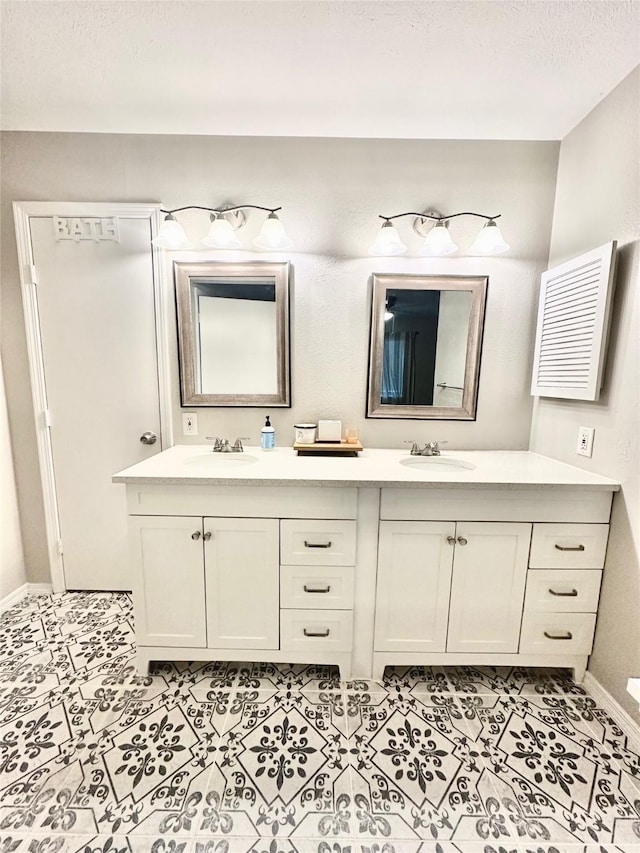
(382, 68)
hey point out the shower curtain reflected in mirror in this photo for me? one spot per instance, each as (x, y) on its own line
(399, 368)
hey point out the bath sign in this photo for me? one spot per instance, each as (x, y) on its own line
(94, 228)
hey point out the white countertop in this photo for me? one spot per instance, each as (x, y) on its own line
(189, 464)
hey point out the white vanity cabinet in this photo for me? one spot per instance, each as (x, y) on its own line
(206, 581)
(209, 585)
(489, 576)
(317, 582)
(366, 562)
(563, 586)
(445, 586)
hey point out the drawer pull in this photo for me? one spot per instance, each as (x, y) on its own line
(317, 544)
(569, 547)
(324, 633)
(572, 594)
(314, 589)
(567, 636)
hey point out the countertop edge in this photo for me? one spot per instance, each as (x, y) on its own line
(356, 484)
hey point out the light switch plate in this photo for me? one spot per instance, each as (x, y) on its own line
(585, 441)
(189, 423)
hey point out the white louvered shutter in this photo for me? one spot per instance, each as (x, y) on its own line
(573, 323)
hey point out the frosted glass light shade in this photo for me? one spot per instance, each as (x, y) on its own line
(171, 235)
(489, 241)
(388, 241)
(438, 242)
(272, 236)
(221, 234)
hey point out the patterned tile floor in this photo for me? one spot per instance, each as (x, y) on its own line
(226, 757)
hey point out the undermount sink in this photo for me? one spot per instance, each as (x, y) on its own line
(221, 460)
(444, 463)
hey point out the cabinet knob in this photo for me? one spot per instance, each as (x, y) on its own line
(196, 535)
(207, 536)
(462, 540)
(451, 540)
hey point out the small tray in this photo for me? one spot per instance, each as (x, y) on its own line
(327, 448)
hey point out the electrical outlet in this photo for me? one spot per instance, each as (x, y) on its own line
(189, 423)
(585, 441)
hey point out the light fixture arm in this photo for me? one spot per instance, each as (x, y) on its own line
(437, 218)
(434, 228)
(221, 210)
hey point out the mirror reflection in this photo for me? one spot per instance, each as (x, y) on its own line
(227, 362)
(425, 346)
(233, 333)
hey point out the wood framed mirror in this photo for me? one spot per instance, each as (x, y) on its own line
(425, 345)
(233, 333)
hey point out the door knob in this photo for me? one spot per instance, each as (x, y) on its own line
(148, 438)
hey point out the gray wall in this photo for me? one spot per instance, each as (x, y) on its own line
(331, 191)
(598, 200)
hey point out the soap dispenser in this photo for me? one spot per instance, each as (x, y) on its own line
(268, 436)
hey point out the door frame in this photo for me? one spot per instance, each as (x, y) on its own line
(23, 211)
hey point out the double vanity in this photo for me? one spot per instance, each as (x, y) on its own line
(478, 557)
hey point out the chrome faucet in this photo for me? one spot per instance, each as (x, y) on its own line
(222, 445)
(431, 448)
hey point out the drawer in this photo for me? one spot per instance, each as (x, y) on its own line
(317, 543)
(562, 590)
(573, 633)
(316, 587)
(315, 630)
(568, 546)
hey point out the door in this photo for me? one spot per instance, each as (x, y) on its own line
(242, 576)
(487, 589)
(95, 306)
(414, 577)
(168, 580)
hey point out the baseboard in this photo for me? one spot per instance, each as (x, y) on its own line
(26, 589)
(615, 709)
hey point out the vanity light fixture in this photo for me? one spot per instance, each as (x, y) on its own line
(437, 239)
(225, 222)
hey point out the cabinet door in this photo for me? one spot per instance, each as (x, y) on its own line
(487, 591)
(414, 577)
(242, 577)
(168, 588)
